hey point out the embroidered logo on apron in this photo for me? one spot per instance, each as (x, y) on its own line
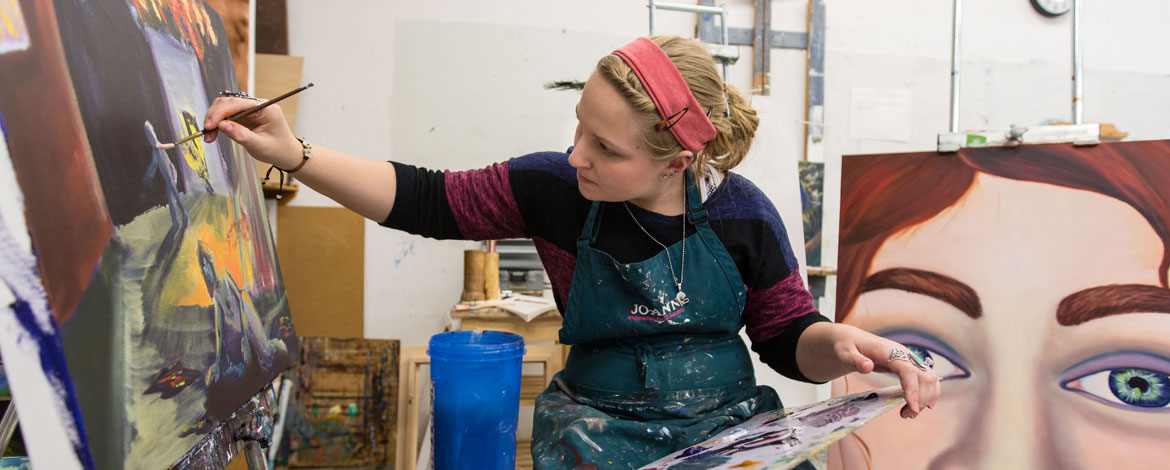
(669, 310)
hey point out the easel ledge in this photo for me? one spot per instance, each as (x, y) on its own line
(251, 423)
(1080, 134)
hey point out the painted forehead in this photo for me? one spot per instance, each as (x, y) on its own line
(1009, 236)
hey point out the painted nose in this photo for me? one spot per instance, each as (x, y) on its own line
(1011, 427)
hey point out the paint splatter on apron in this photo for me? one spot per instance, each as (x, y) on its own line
(649, 373)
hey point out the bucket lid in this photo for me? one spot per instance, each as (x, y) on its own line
(476, 345)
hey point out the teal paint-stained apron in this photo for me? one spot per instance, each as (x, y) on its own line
(649, 373)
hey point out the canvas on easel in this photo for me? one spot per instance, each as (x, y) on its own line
(1035, 277)
(157, 266)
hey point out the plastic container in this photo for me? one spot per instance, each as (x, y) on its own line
(475, 380)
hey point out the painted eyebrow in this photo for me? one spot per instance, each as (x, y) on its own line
(1115, 299)
(928, 283)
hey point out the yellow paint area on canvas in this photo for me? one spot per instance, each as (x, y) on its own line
(221, 234)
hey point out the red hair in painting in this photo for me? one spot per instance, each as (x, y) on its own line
(883, 194)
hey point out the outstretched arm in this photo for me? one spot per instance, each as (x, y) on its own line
(363, 185)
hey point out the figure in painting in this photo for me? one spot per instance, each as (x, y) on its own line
(240, 337)
(161, 165)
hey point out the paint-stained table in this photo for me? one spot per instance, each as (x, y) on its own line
(540, 329)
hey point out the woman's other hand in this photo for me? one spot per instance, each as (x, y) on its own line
(829, 350)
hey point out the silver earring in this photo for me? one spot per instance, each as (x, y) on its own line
(666, 176)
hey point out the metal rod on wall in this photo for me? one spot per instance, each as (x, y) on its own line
(652, 17)
(723, 25)
(1078, 109)
(691, 8)
(956, 27)
(722, 55)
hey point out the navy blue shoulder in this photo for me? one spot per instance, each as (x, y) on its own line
(544, 186)
(739, 198)
(554, 163)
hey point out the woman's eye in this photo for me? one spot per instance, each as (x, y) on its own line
(604, 148)
(1127, 387)
(943, 367)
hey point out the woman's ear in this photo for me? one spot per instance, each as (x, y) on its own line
(680, 161)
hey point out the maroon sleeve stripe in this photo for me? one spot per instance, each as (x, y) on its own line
(483, 204)
(770, 311)
(559, 265)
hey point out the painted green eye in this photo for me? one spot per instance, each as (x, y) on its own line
(1127, 387)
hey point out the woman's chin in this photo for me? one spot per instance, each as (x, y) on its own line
(592, 194)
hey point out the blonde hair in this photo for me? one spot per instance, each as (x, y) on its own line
(734, 133)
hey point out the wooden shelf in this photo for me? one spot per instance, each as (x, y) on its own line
(821, 271)
(493, 313)
(530, 387)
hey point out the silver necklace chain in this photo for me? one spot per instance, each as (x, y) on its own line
(678, 280)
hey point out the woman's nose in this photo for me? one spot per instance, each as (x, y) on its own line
(577, 158)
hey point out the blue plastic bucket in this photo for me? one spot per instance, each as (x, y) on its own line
(475, 379)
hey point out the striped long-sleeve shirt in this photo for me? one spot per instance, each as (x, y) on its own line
(536, 196)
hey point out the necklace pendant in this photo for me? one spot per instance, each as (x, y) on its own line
(681, 296)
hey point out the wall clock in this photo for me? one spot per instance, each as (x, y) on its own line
(1052, 7)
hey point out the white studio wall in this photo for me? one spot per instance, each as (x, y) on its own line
(458, 85)
(1016, 69)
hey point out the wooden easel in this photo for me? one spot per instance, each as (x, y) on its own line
(7, 425)
(251, 425)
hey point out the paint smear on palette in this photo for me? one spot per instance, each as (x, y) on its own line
(782, 439)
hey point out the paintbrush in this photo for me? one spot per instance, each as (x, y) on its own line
(238, 114)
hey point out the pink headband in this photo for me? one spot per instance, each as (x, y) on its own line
(677, 106)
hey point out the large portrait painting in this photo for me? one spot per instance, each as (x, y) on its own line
(1036, 278)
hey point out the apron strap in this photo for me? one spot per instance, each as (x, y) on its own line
(591, 226)
(696, 213)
